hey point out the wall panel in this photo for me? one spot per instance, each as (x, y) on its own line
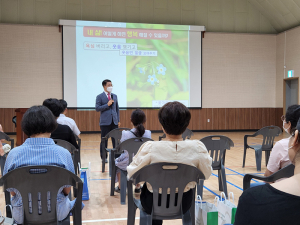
(220, 118)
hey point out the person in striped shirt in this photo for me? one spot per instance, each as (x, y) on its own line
(39, 149)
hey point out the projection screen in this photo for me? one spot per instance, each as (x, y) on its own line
(148, 64)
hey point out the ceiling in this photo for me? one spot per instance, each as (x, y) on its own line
(282, 14)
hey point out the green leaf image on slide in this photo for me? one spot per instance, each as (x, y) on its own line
(161, 77)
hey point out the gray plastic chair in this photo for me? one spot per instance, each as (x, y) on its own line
(115, 134)
(132, 145)
(269, 133)
(285, 172)
(163, 176)
(12, 144)
(72, 149)
(187, 134)
(216, 146)
(45, 185)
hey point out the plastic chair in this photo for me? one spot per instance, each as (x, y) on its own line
(217, 145)
(72, 149)
(45, 185)
(269, 133)
(116, 134)
(132, 145)
(285, 172)
(187, 134)
(79, 145)
(164, 176)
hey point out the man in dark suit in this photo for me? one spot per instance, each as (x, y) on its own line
(107, 105)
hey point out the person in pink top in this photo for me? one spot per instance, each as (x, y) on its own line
(279, 157)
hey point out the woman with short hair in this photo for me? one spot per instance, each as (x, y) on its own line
(39, 149)
(174, 118)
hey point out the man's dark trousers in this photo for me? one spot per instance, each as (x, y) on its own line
(104, 131)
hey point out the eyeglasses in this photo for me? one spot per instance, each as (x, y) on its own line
(283, 117)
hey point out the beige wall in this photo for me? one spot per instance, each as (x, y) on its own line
(239, 70)
(288, 44)
(30, 65)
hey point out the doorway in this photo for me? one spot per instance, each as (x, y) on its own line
(290, 92)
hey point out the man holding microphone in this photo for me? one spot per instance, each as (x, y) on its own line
(107, 104)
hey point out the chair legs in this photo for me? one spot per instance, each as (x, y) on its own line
(258, 156)
(244, 158)
(200, 188)
(187, 218)
(123, 187)
(220, 177)
(267, 156)
(131, 205)
(112, 181)
(223, 179)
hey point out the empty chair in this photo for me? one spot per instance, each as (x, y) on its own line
(285, 172)
(116, 135)
(187, 134)
(269, 133)
(71, 148)
(132, 145)
(165, 178)
(39, 193)
(216, 146)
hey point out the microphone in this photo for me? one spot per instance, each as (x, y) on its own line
(111, 96)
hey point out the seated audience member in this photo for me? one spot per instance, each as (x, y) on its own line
(39, 149)
(62, 132)
(174, 118)
(279, 157)
(62, 119)
(138, 119)
(276, 203)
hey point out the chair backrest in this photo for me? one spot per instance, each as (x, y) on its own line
(72, 149)
(269, 133)
(7, 138)
(39, 190)
(65, 144)
(216, 146)
(167, 177)
(132, 145)
(116, 134)
(187, 134)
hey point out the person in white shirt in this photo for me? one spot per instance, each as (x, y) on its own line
(63, 120)
(174, 118)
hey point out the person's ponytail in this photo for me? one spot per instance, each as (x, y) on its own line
(140, 130)
(138, 118)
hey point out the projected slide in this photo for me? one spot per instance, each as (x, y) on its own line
(149, 65)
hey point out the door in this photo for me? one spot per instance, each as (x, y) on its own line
(290, 92)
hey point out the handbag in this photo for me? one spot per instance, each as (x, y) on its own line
(206, 213)
(226, 209)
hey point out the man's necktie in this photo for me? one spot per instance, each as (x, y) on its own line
(108, 96)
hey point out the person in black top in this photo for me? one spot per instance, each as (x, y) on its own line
(62, 132)
(276, 203)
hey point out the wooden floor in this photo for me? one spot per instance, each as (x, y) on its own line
(105, 209)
